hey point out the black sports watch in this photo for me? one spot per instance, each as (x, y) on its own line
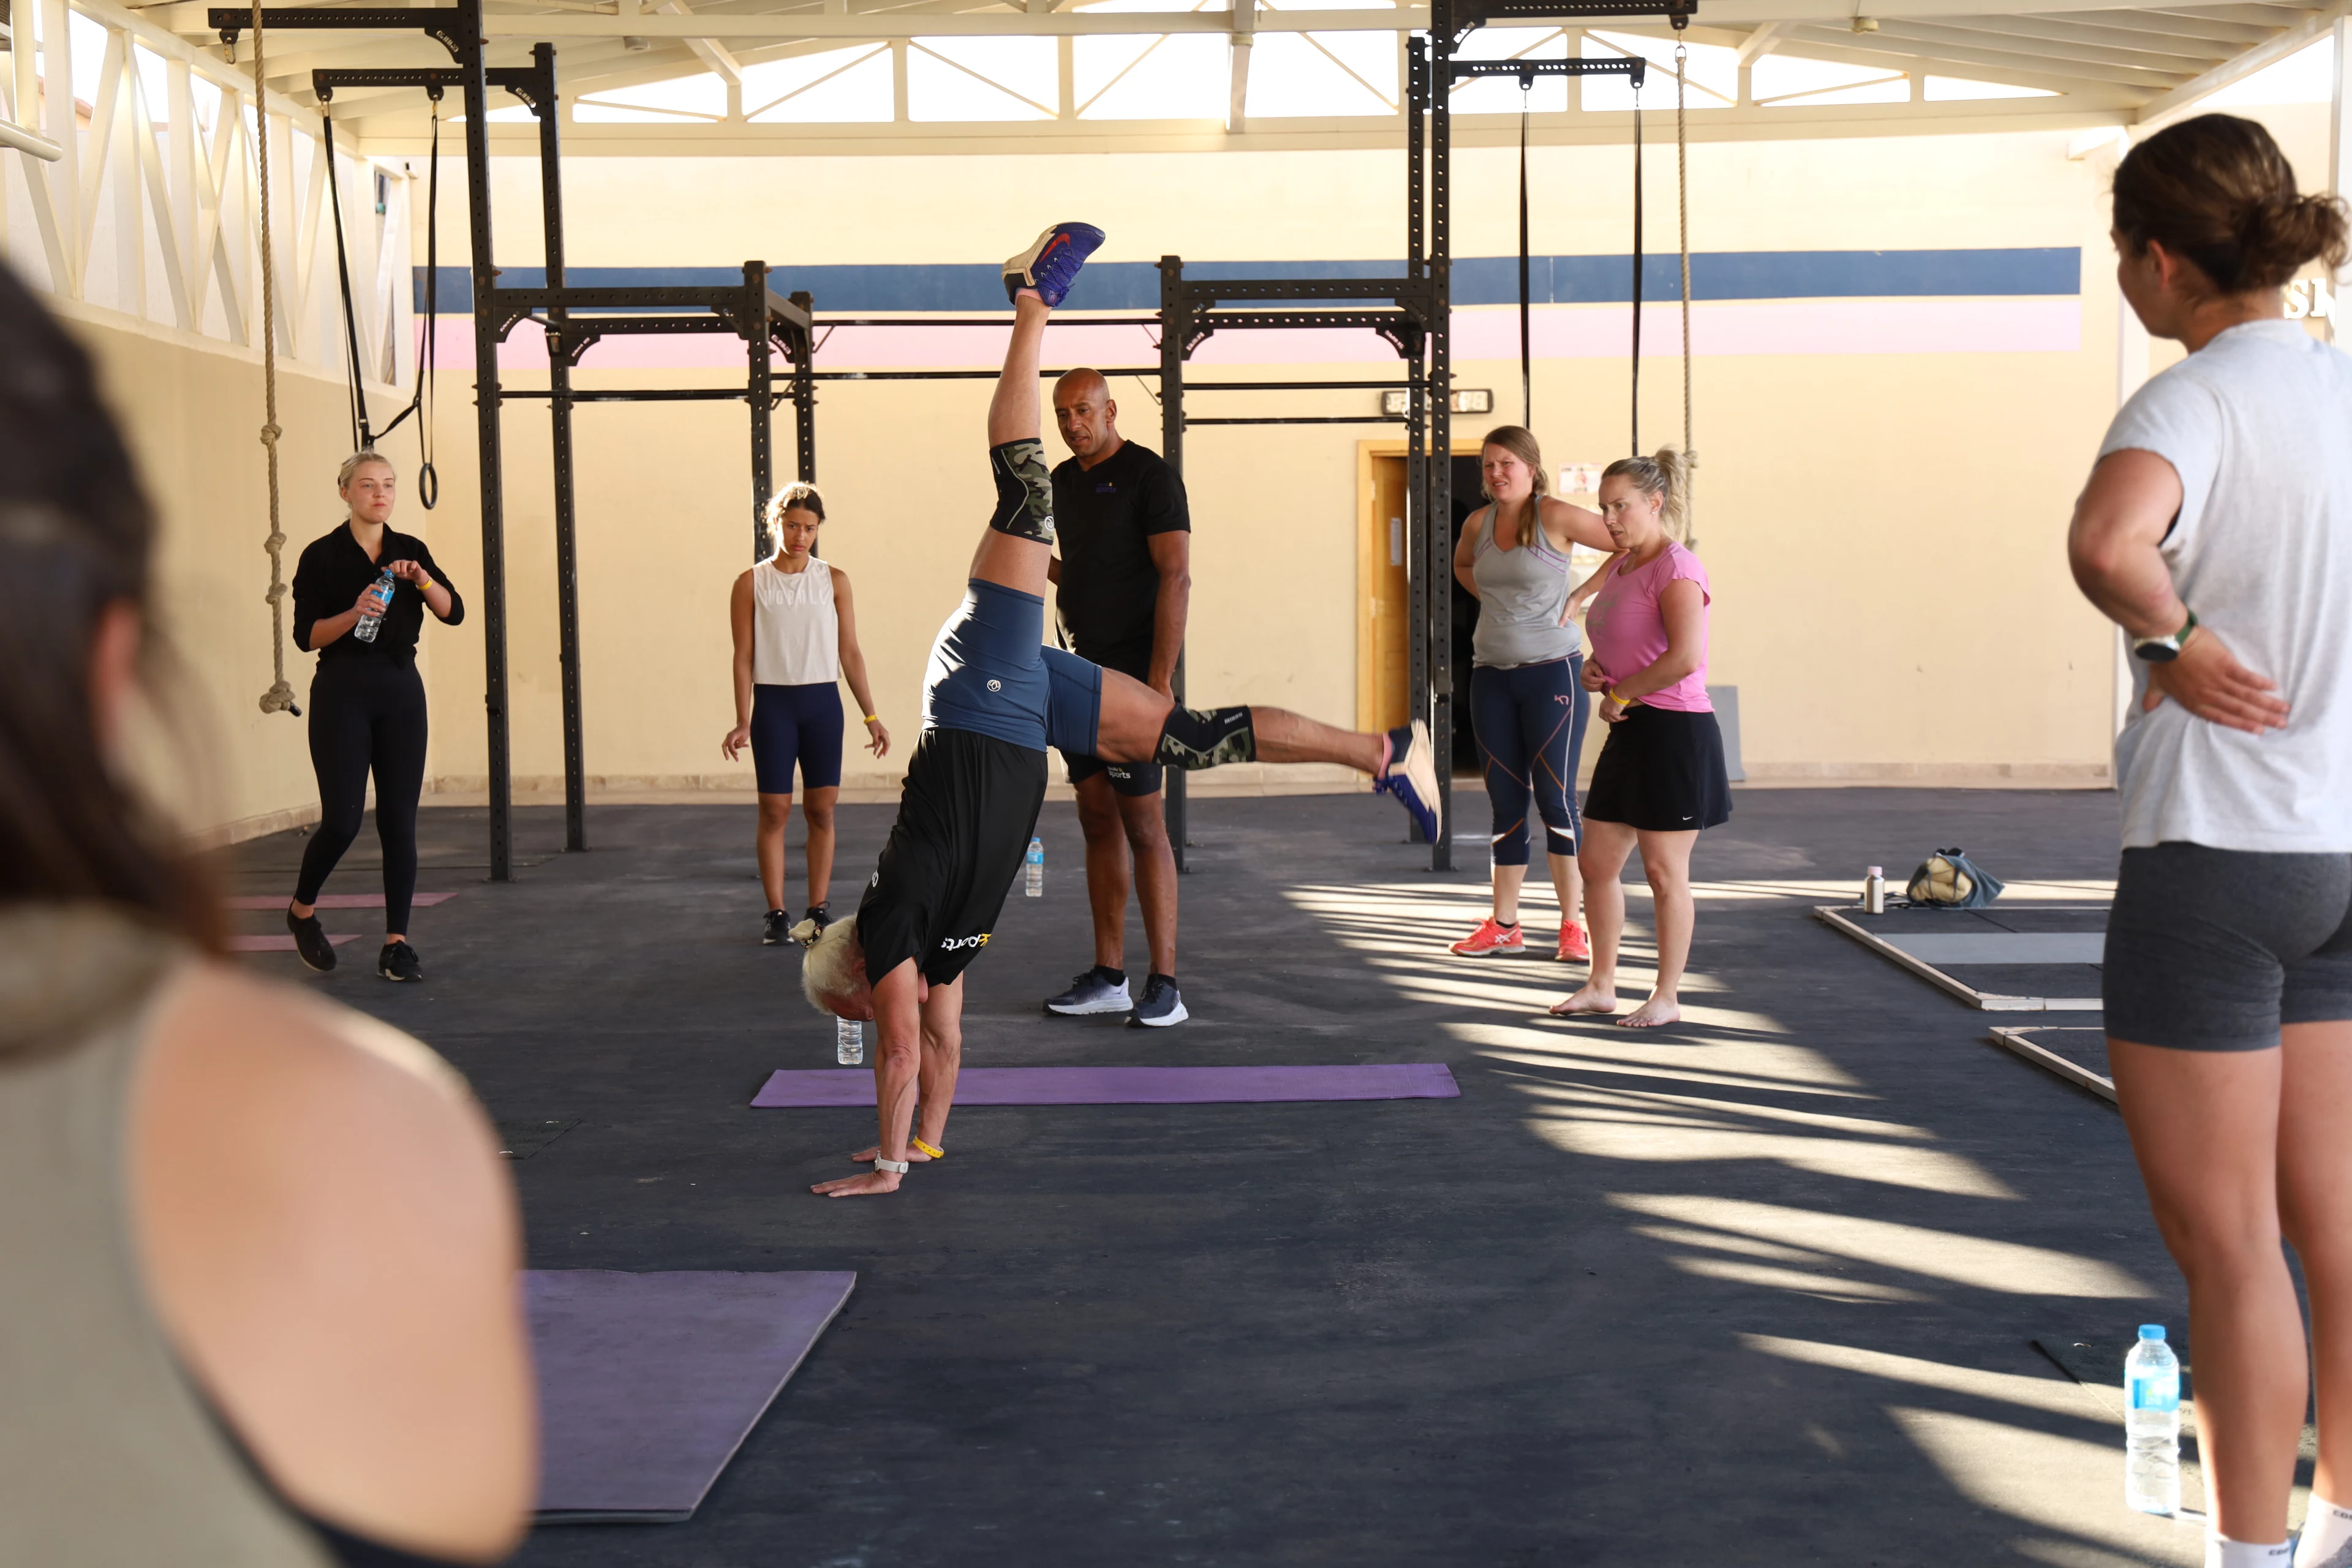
(2165, 649)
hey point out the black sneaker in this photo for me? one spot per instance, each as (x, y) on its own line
(1098, 990)
(398, 960)
(812, 925)
(774, 932)
(310, 941)
(1162, 1004)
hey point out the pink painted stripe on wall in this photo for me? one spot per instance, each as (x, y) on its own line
(1718, 330)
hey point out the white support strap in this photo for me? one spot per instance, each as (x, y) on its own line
(896, 1167)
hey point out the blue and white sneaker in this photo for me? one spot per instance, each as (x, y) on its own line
(1412, 777)
(1051, 265)
(1093, 992)
(1162, 1004)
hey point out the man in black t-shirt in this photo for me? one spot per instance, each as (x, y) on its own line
(1125, 583)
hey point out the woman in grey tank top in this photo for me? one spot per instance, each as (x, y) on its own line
(259, 1302)
(1526, 705)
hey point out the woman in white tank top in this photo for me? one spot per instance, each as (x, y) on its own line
(795, 637)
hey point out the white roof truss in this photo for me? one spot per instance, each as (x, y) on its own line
(2119, 63)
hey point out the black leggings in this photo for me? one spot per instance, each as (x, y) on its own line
(366, 713)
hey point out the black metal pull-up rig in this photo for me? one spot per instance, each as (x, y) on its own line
(574, 320)
(1413, 313)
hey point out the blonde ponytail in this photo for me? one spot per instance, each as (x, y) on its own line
(1665, 476)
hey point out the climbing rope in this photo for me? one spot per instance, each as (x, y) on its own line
(1636, 447)
(280, 698)
(1682, 204)
(1527, 336)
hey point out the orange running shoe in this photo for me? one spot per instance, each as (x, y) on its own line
(1491, 937)
(1573, 948)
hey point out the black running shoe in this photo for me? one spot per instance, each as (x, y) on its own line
(812, 926)
(1162, 1004)
(776, 930)
(398, 960)
(310, 941)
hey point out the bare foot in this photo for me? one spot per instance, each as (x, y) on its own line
(867, 1156)
(872, 1181)
(1650, 1014)
(1586, 999)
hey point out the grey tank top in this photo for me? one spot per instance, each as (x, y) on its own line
(1521, 593)
(109, 1453)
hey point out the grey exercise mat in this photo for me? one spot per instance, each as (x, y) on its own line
(1946, 948)
(649, 1382)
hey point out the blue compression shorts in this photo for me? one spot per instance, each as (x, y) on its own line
(992, 674)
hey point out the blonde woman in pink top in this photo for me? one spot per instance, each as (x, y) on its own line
(1660, 778)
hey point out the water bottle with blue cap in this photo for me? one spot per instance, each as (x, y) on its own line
(2152, 1424)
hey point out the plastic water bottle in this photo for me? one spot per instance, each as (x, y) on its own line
(848, 1042)
(2152, 1424)
(1874, 892)
(1036, 868)
(385, 586)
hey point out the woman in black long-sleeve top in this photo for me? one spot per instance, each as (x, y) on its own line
(367, 704)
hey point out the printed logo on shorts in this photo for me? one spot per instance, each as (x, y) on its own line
(996, 686)
(958, 944)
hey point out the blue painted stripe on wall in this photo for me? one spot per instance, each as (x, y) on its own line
(1477, 280)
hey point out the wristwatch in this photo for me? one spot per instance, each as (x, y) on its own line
(2165, 649)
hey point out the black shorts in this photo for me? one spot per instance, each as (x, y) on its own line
(1134, 780)
(964, 823)
(1662, 771)
(2212, 950)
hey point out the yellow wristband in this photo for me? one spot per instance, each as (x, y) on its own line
(1611, 695)
(874, 718)
(926, 1148)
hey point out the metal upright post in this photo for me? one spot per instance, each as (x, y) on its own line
(486, 414)
(1441, 422)
(1419, 572)
(804, 394)
(763, 397)
(561, 354)
(1175, 328)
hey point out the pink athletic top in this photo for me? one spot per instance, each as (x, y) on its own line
(1629, 634)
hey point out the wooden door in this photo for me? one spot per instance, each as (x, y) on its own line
(1382, 683)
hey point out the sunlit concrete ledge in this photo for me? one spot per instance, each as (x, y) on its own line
(260, 825)
(1933, 776)
(869, 787)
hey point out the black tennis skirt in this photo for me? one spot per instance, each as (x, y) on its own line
(1662, 771)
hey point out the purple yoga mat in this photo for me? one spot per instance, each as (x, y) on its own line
(1128, 1086)
(649, 1382)
(331, 900)
(282, 943)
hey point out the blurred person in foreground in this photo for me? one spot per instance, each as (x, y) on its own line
(260, 1304)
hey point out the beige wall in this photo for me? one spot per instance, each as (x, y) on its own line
(192, 409)
(1884, 530)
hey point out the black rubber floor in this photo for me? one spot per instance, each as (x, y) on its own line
(1757, 1290)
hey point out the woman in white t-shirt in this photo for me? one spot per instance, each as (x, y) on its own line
(2217, 531)
(795, 640)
